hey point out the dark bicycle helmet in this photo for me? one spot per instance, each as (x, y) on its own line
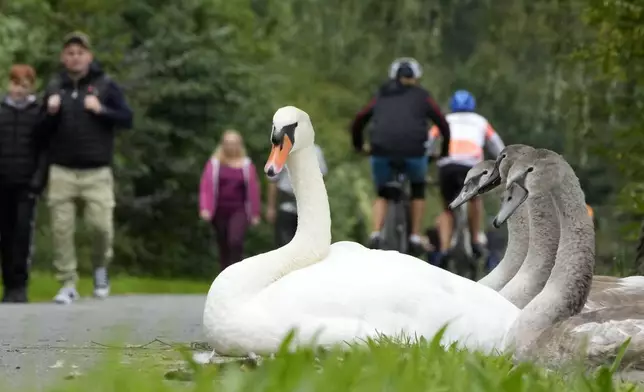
(405, 67)
(462, 101)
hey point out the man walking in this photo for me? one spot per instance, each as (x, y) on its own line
(87, 106)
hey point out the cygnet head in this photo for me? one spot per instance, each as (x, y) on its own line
(472, 182)
(292, 131)
(531, 176)
(499, 173)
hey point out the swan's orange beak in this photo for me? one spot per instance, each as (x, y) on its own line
(277, 159)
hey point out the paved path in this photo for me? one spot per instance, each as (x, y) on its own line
(34, 337)
(43, 343)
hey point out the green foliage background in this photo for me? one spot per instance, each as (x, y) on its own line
(565, 75)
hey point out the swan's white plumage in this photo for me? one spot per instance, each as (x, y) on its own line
(390, 293)
(356, 293)
(345, 291)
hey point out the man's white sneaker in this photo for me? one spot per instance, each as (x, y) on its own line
(101, 292)
(66, 295)
(101, 283)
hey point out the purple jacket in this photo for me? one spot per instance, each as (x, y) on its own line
(210, 183)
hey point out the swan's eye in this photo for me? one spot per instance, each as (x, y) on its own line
(530, 169)
(484, 172)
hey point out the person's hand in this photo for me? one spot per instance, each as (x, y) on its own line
(93, 104)
(205, 215)
(270, 215)
(53, 104)
(254, 221)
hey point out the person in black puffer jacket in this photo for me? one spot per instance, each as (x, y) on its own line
(23, 174)
(399, 113)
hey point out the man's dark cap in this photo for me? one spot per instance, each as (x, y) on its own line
(79, 38)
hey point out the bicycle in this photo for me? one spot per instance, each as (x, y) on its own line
(461, 261)
(397, 223)
(461, 254)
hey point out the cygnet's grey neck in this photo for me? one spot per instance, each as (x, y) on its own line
(567, 288)
(572, 273)
(515, 251)
(542, 250)
(516, 248)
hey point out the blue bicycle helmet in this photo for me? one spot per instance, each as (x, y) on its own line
(462, 101)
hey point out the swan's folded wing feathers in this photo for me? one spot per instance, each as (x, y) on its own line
(634, 282)
(390, 292)
(597, 336)
(617, 296)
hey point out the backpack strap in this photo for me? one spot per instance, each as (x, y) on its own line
(99, 85)
(54, 85)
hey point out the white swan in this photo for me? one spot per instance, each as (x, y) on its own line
(517, 246)
(605, 290)
(550, 327)
(344, 292)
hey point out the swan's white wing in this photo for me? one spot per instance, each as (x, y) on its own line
(372, 291)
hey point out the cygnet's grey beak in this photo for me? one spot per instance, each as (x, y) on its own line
(470, 189)
(513, 197)
(492, 180)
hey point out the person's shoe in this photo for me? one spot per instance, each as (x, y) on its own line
(477, 250)
(418, 245)
(101, 283)
(433, 258)
(66, 295)
(374, 241)
(442, 260)
(17, 295)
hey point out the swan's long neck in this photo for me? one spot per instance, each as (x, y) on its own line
(567, 288)
(544, 239)
(313, 234)
(515, 251)
(310, 244)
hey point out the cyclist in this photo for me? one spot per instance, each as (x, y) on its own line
(470, 132)
(399, 113)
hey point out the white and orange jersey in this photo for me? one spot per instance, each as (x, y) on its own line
(469, 134)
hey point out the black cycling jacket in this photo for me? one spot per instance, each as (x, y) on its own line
(399, 116)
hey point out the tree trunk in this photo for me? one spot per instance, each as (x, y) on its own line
(639, 256)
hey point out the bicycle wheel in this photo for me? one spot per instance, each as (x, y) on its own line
(462, 258)
(402, 225)
(389, 235)
(395, 228)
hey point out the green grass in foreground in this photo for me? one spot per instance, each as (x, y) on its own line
(43, 286)
(378, 366)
